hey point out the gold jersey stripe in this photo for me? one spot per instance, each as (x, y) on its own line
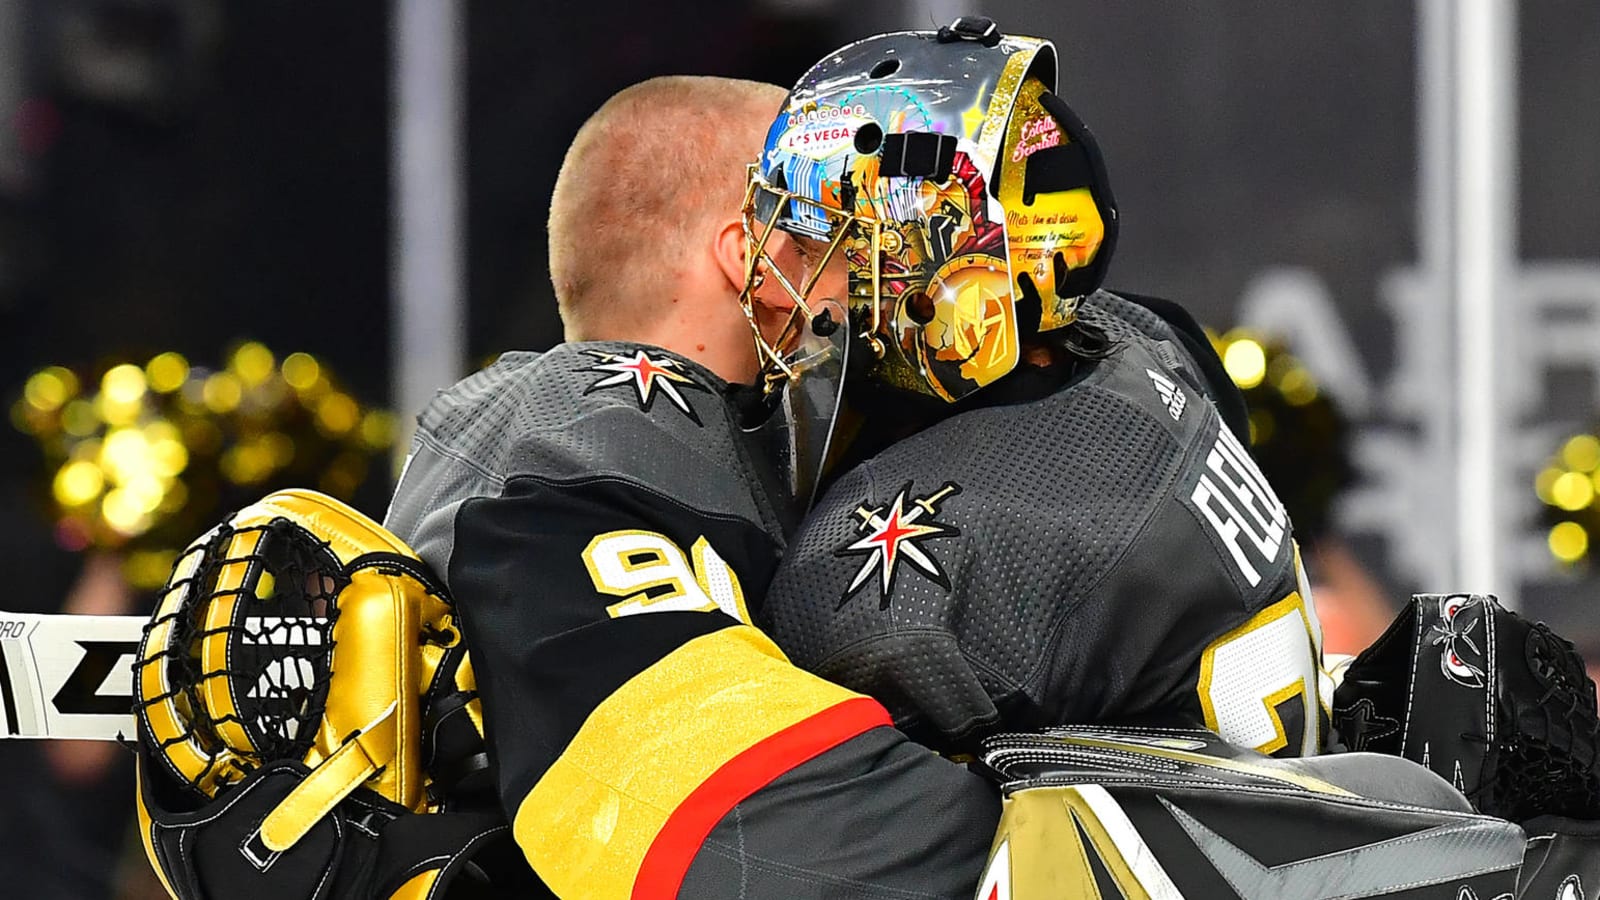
(589, 822)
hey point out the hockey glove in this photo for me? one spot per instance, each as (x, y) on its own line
(1499, 706)
(308, 724)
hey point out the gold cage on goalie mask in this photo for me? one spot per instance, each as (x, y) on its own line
(301, 630)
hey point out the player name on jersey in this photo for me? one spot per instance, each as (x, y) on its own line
(1240, 507)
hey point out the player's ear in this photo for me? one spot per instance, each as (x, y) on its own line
(729, 249)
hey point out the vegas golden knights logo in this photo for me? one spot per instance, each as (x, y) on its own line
(648, 377)
(891, 533)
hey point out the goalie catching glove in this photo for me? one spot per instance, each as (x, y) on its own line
(308, 724)
(1499, 706)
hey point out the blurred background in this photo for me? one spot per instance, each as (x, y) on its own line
(241, 243)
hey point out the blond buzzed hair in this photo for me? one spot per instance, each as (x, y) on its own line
(648, 176)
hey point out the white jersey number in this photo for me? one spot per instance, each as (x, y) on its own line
(1248, 673)
(655, 575)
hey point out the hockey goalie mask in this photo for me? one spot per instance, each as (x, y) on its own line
(967, 201)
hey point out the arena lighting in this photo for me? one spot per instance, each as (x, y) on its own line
(1569, 542)
(1246, 362)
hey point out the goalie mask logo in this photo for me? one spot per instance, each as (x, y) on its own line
(892, 532)
(648, 378)
(1460, 658)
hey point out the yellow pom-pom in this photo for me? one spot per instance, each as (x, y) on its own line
(1569, 541)
(1246, 362)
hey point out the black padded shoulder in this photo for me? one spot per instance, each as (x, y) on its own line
(1224, 393)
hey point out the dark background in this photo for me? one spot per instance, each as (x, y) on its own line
(181, 174)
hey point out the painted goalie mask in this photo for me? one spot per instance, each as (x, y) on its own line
(968, 203)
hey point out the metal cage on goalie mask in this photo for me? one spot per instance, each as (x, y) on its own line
(968, 202)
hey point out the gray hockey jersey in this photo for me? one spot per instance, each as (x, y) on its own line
(1108, 553)
(607, 533)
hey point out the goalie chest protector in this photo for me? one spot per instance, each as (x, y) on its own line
(1106, 553)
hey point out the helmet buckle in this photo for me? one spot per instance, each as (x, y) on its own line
(979, 29)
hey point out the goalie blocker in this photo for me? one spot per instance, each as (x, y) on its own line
(308, 723)
(1500, 707)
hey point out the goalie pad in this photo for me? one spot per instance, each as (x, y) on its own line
(1103, 813)
(308, 721)
(1499, 706)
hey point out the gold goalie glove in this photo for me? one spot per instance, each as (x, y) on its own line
(308, 724)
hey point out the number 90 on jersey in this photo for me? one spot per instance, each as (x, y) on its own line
(655, 575)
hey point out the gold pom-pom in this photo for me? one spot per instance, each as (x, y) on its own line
(145, 454)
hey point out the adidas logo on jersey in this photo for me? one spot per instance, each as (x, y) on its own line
(1170, 394)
